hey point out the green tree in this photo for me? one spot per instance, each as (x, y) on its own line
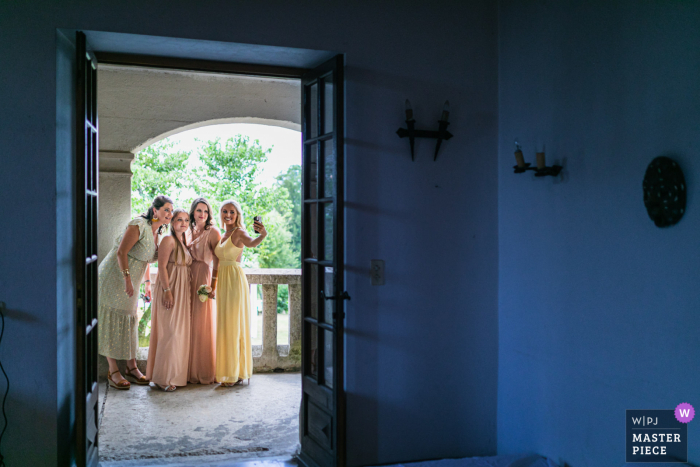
(291, 182)
(158, 170)
(228, 171)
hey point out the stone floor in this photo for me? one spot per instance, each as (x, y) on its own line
(202, 425)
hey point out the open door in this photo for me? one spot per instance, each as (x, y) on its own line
(86, 179)
(322, 421)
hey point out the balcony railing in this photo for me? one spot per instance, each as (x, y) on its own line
(270, 355)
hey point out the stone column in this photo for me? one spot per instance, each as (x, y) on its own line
(269, 293)
(295, 320)
(115, 198)
(114, 212)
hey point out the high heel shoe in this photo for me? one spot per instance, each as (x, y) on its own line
(123, 384)
(138, 380)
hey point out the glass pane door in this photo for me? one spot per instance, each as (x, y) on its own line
(86, 190)
(323, 400)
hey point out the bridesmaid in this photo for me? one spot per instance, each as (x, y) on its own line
(120, 274)
(203, 237)
(234, 353)
(169, 349)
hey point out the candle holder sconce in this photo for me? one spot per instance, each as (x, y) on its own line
(411, 133)
(540, 171)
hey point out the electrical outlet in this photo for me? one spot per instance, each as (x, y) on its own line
(376, 271)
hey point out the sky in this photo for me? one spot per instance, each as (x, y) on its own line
(285, 144)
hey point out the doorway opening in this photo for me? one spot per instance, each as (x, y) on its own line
(323, 295)
(221, 136)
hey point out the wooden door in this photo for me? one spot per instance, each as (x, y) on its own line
(87, 177)
(323, 298)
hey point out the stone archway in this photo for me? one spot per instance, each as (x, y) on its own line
(140, 106)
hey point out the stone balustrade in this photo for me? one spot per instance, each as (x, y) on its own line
(269, 356)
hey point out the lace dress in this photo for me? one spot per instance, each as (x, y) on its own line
(118, 335)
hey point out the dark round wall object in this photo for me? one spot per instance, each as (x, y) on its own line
(664, 191)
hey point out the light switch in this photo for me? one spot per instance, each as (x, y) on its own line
(377, 271)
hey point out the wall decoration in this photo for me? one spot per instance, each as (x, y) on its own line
(664, 191)
(441, 134)
(541, 170)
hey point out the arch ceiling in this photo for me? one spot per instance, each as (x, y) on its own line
(139, 106)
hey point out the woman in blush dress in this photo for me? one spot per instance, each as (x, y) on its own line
(234, 353)
(120, 274)
(203, 237)
(169, 348)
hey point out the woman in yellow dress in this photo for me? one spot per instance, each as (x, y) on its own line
(234, 353)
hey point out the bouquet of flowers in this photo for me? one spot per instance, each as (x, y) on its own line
(203, 293)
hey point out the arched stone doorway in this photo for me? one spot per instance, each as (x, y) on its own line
(140, 106)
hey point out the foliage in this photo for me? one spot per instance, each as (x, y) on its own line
(221, 171)
(157, 170)
(291, 182)
(228, 171)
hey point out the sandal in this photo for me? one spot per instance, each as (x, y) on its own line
(143, 381)
(123, 384)
(230, 385)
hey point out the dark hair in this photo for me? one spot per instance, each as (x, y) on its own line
(158, 202)
(210, 220)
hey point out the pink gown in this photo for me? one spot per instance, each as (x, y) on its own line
(203, 341)
(169, 348)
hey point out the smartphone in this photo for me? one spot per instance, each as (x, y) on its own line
(256, 219)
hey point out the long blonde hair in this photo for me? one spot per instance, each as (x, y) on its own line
(239, 214)
(180, 247)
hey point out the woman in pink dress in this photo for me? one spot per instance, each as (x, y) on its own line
(169, 349)
(202, 238)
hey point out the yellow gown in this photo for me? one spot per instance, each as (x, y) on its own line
(234, 353)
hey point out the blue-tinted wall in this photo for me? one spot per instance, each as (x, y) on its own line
(598, 308)
(422, 350)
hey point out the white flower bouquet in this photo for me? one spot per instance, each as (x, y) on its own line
(203, 293)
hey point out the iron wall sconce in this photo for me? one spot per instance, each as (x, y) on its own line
(411, 132)
(540, 171)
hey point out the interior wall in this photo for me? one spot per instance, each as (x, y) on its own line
(422, 350)
(597, 306)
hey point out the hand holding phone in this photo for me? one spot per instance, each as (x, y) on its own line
(256, 219)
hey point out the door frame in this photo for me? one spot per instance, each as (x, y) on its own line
(236, 68)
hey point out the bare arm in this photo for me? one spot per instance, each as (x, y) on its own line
(248, 241)
(214, 239)
(164, 251)
(131, 236)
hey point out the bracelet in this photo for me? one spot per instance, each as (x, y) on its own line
(125, 272)
(166, 290)
(147, 281)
